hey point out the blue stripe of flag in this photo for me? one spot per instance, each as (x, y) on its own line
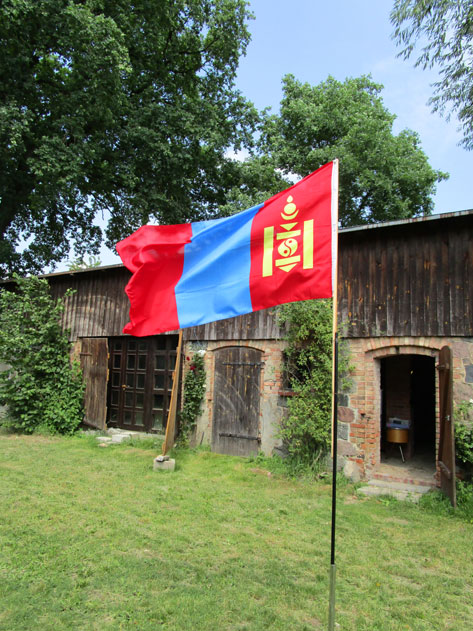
(215, 279)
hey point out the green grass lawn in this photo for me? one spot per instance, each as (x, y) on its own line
(93, 538)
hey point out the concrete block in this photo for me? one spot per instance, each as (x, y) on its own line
(104, 439)
(164, 465)
(119, 438)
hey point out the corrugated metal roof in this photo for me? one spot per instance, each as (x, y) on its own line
(407, 222)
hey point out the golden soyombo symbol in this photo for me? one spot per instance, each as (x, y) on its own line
(290, 244)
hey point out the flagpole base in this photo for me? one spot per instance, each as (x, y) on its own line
(331, 608)
(159, 464)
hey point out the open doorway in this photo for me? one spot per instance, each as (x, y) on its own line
(408, 410)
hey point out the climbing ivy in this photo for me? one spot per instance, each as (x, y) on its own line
(38, 383)
(306, 430)
(194, 390)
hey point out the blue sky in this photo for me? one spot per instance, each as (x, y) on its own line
(313, 39)
(347, 38)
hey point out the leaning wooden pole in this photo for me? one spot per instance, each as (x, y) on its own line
(331, 617)
(171, 421)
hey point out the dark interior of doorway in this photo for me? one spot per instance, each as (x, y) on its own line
(408, 393)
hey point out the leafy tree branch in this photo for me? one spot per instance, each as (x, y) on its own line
(443, 29)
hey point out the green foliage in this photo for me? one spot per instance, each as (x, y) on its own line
(194, 390)
(436, 502)
(113, 105)
(293, 467)
(464, 434)
(465, 500)
(382, 176)
(80, 263)
(307, 428)
(464, 444)
(444, 30)
(40, 387)
(254, 181)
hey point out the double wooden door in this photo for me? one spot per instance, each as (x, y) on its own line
(140, 384)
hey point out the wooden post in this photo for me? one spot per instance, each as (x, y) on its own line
(171, 421)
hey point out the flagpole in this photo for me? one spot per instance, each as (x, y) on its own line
(331, 616)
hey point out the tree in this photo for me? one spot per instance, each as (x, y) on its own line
(113, 105)
(39, 385)
(444, 29)
(382, 176)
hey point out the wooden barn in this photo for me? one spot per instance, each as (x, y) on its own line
(405, 293)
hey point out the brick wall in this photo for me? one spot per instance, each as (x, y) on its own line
(360, 409)
(272, 405)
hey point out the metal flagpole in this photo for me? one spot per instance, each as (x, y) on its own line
(331, 617)
(331, 613)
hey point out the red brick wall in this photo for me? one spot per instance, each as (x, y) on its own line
(360, 409)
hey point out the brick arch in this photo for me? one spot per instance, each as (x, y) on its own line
(398, 348)
(364, 401)
(381, 348)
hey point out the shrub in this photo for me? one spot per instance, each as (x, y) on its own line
(39, 385)
(464, 435)
(306, 430)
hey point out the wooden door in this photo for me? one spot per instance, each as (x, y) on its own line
(446, 452)
(140, 384)
(94, 363)
(236, 407)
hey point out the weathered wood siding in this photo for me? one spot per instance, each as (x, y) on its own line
(404, 279)
(260, 325)
(410, 279)
(99, 306)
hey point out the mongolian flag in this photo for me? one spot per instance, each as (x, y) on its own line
(280, 251)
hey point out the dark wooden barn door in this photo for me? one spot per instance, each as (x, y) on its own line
(236, 405)
(94, 364)
(446, 453)
(141, 382)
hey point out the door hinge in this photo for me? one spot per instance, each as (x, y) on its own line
(244, 436)
(445, 469)
(242, 363)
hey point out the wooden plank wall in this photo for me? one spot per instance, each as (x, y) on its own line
(410, 279)
(259, 325)
(99, 306)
